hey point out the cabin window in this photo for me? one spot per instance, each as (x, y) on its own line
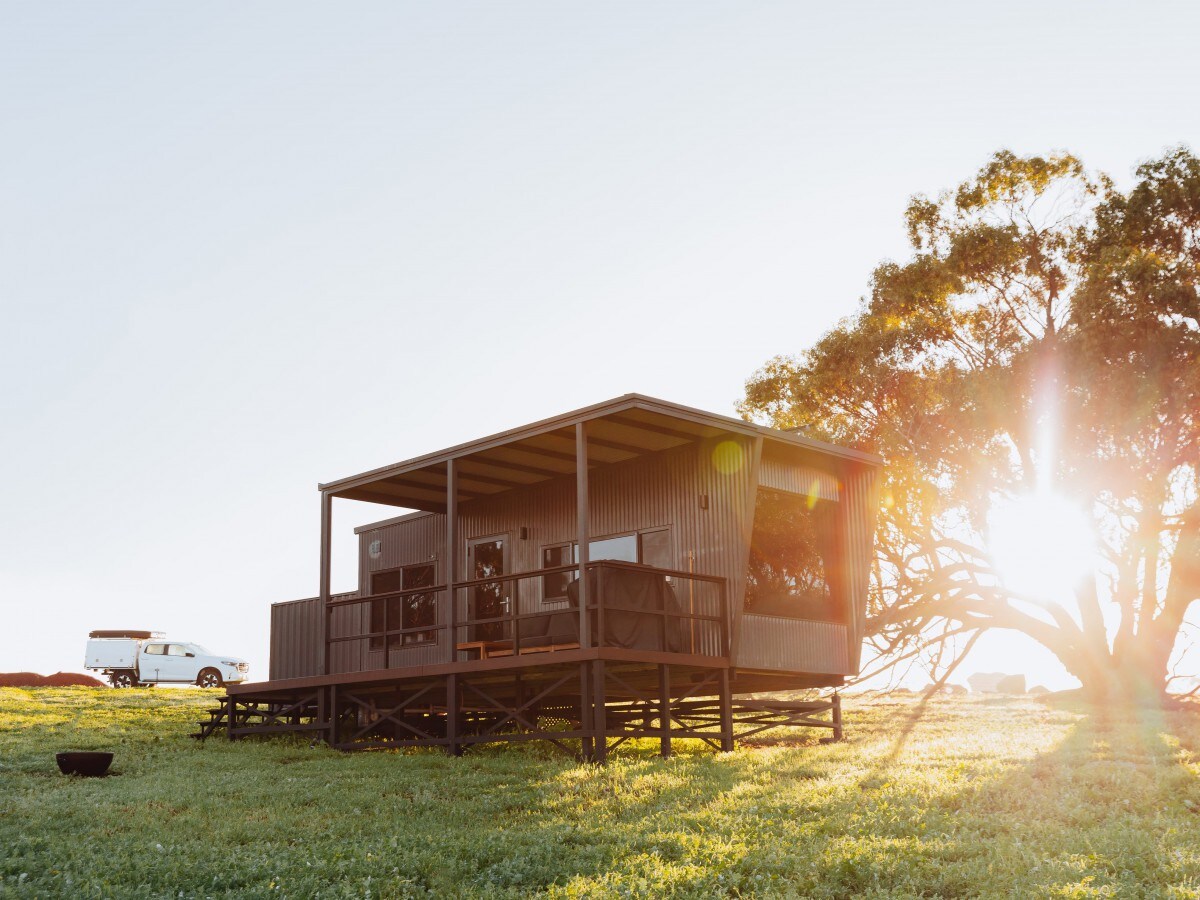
(411, 611)
(554, 587)
(155, 649)
(651, 548)
(792, 557)
(381, 618)
(419, 610)
(654, 549)
(623, 548)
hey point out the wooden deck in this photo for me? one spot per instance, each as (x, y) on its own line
(586, 701)
(641, 663)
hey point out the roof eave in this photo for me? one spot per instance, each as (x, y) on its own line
(595, 411)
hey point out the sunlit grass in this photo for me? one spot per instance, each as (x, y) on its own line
(957, 798)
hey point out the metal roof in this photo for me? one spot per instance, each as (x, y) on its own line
(618, 430)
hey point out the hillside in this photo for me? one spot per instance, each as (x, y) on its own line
(1004, 797)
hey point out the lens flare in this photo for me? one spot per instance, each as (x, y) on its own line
(727, 457)
(1042, 545)
(814, 493)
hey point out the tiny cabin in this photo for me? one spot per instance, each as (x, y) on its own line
(634, 568)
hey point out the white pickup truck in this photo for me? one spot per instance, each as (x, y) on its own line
(132, 658)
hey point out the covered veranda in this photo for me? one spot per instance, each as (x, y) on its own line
(588, 689)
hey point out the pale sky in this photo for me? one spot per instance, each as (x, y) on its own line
(248, 247)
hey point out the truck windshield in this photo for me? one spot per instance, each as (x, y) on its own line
(196, 648)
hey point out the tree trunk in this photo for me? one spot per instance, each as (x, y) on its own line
(1158, 635)
(1137, 667)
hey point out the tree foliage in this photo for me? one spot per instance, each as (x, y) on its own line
(1043, 335)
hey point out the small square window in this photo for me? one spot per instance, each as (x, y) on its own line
(411, 611)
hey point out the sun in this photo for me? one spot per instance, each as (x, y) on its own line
(1042, 545)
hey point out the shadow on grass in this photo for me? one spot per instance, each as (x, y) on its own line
(908, 723)
(1108, 810)
(1011, 801)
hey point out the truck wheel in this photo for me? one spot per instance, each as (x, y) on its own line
(209, 678)
(122, 680)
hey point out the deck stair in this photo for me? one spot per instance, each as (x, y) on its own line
(251, 716)
(216, 719)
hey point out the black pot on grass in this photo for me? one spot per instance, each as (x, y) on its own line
(91, 763)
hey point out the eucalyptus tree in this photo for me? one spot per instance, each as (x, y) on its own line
(1036, 352)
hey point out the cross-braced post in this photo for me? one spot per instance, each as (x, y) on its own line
(335, 717)
(600, 723)
(453, 711)
(726, 699)
(587, 723)
(664, 709)
(323, 712)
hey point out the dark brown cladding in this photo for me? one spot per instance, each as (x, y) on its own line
(296, 637)
(657, 492)
(653, 466)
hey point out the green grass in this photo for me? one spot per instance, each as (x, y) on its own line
(955, 798)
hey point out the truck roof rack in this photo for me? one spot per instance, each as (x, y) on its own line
(135, 635)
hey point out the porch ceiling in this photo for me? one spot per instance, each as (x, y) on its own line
(618, 430)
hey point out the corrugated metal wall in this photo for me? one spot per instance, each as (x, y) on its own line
(659, 490)
(348, 621)
(380, 549)
(781, 474)
(295, 638)
(794, 645)
(424, 536)
(859, 512)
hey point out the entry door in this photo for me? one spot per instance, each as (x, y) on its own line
(489, 557)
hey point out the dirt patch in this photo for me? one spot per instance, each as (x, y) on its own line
(73, 679)
(58, 679)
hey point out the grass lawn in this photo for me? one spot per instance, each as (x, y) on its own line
(1006, 797)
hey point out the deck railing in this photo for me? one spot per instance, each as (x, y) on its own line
(669, 610)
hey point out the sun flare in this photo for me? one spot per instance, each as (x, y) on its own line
(1042, 545)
